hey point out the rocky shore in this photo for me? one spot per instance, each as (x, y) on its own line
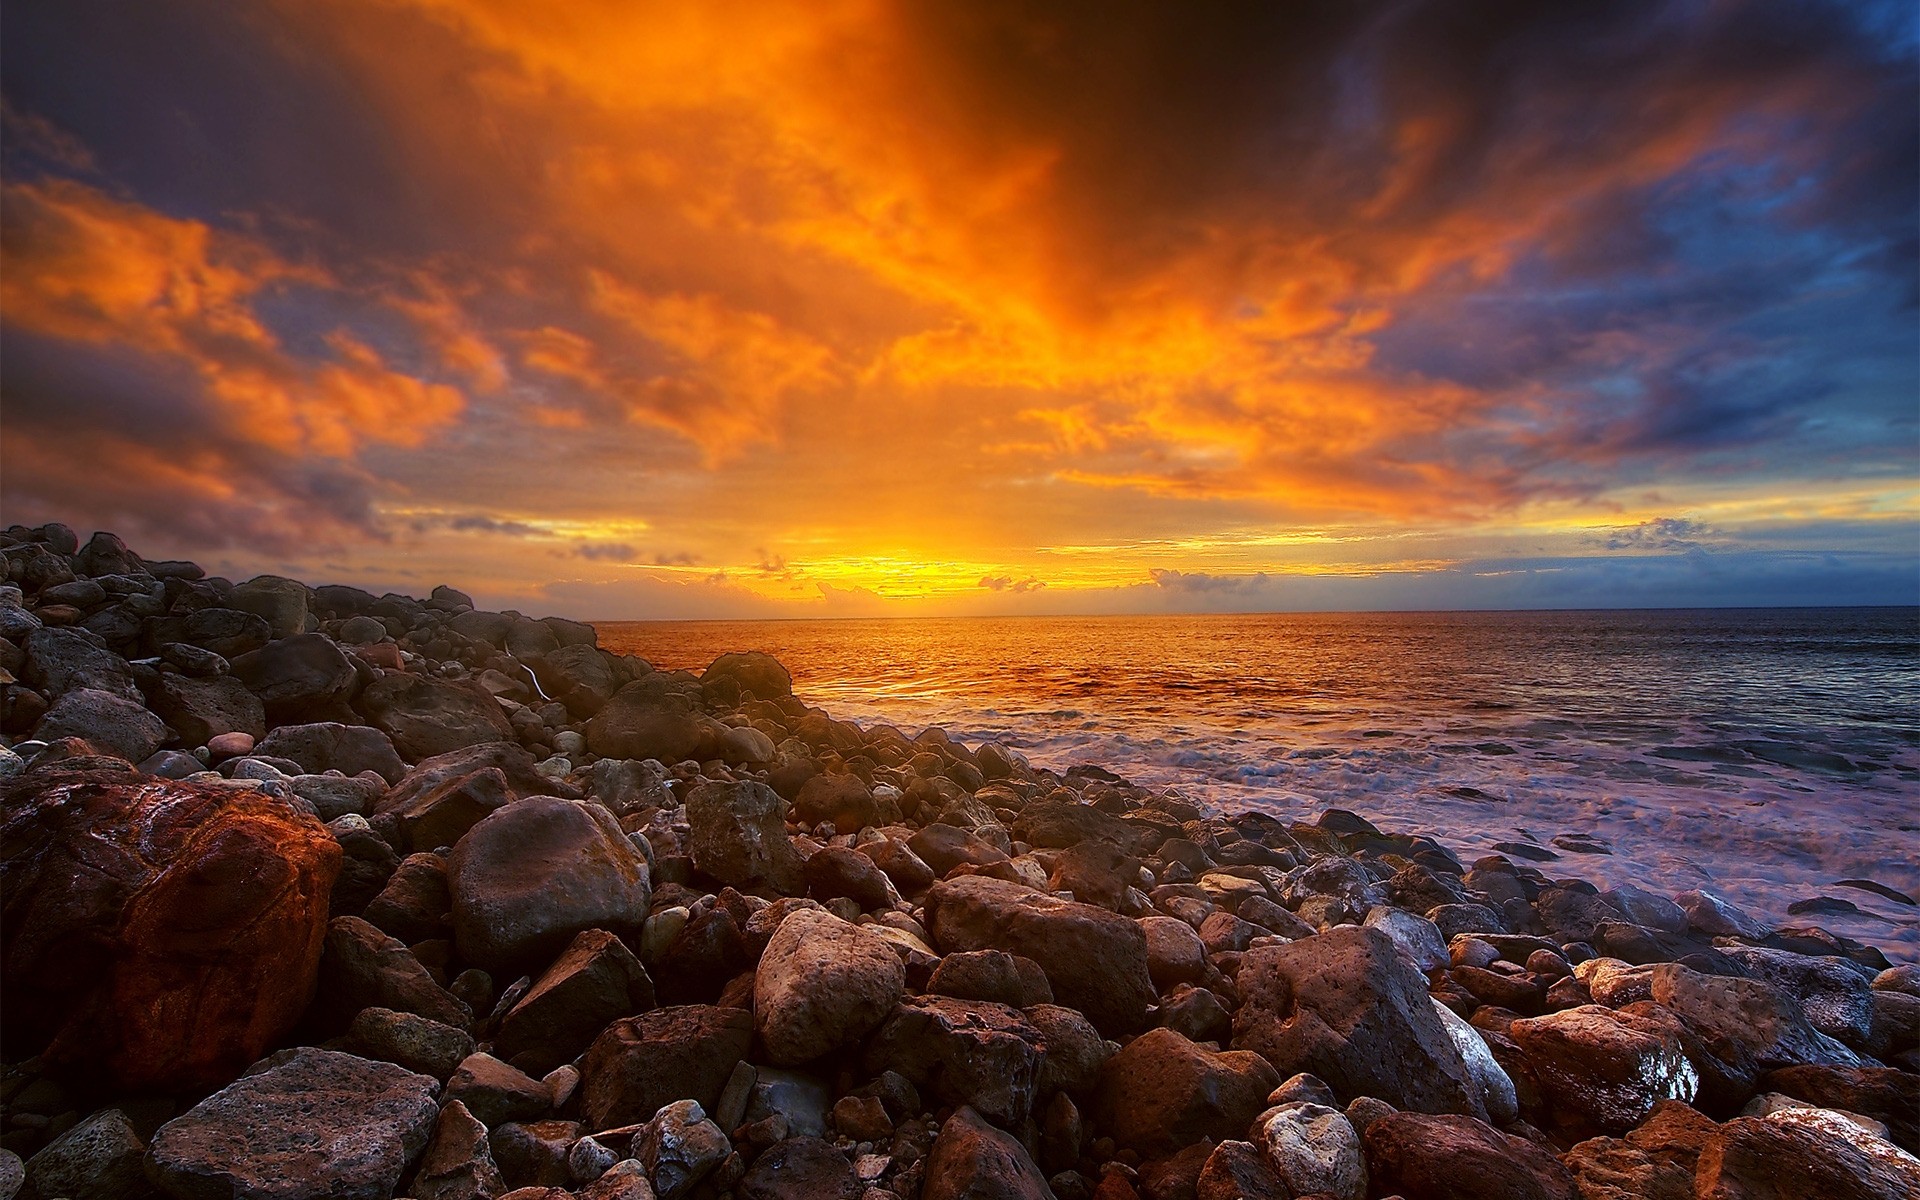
(311, 893)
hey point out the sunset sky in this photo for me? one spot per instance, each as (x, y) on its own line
(844, 307)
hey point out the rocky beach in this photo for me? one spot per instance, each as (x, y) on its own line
(310, 893)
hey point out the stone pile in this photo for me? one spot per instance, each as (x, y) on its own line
(313, 893)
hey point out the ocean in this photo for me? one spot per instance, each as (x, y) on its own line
(1765, 754)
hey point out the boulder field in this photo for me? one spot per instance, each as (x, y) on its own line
(309, 893)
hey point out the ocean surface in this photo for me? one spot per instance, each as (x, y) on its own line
(1766, 754)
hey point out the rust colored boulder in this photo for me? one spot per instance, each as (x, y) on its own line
(1452, 1157)
(1096, 960)
(641, 1064)
(160, 934)
(595, 982)
(1163, 1092)
(971, 1160)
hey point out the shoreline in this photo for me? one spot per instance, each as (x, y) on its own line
(601, 928)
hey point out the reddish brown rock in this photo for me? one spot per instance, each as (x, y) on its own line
(1889, 1096)
(971, 1160)
(845, 800)
(1802, 1154)
(637, 1066)
(1095, 960)
(973, 1052)
(595, 982)
(1603, 1071)
(1425, 1157)
(160, 934)
(1162, 1092)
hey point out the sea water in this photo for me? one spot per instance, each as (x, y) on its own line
(1764, 754)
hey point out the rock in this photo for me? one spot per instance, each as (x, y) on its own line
(1745, 1026)
(1889, 1096)
(431, 775)
(426, 717)
(1313, 1149)
(1075, 1051)
(991, 975)
(1603, 1071)
(162, 934)
(1238, 1171)
(1829, 989)
(905, 868)
(369, 863)
(281, 603)
(755, 672)
(348, 1128)
(416, 901)
(844, 800)
(739, 837)
(1451, 1157)
(595, 982)
(530, 876)
(801, 1101)
(944, 847)
(822, 984)
(1175, 953)
(442, 816)
(642, 1063)
(301, 678)
(364, 968)
(534, 1153)
(970, 1052)
(1347, 1006)
(838, 871)
(110, 724)
(1710, 914)
(362, 631)
(679, 1147)
(227, 632)
(495, 1092)
(1490, 1079)
(579, 677)
(1162, 1092)
(800, 1168)
(106, 554)
(203, 711)
(1095, 960)
(1058, 824)
(1418, 938)
(645, 719)
(862, 1118)
(1802, 1154)
(324, 746)
(457, 1164)
(971, 1160)
(624, 1181)
(64, 660)
(418, 1043)
(102, 1156)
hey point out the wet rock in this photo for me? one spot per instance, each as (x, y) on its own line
(739, 837)
(351, 1126)
(1490, 1079)
(1162, 1092)
(324, 746)
(364, 968)
(103, 1156)
(1313, 1149)
(1830, 990)
(1647, 909)
(529, 877)
(497, 1093)
(822, 984)
(161, 934)
(426, 716)
(1238, 1171)
(302, 678)
(944, 847)
(1745, 1025)
(457, 1164)
(1889, 1096)
(1802, 1154)
(1452, 1157)
(1348, 1007)
(596, 981)
(970, 1052)
(1603, 1071)
(110, 724)
(971, 1160)
(534, 1153)
(1717, 917)
(754, 672)
(1095, 960)
(800, 1101)
(202, 710)
(640, 1064)
(680, 1147)
(1418, 939)
(418, 1043)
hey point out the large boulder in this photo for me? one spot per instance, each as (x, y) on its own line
(1453, 1157)
(971, 1160)
(61, 660)
(1163, 1092)
(1096, 960)
(754, 672)
(442, 797)
(1743, 1027)
(160, 934)
(532, 875)
(648, 718)
(1803, 1154)
(641, 1064)
(1346, 1006)
(844, 800)
(227, 632)
(1603, 1071)
(971, 1052)
(110, 724)
(200, 710)
(319, 1126)
(302, 678)
(426, 716)
(580, 677)
(323, 746)
(365, 968)
(280, 602)
(1061, 823)
(739, 836)
(596, 982)
(822, 985)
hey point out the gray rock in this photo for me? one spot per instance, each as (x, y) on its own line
(594, 983)
(971, 1052)
(280, 602)
(111, 724)
(352, 1127)
(200, 710)
(426, 716)
(335, 796)
(323, 746)
(301, 678)
(1313, 1149)
(1831, 991)
(415, 1042)
(63, 660)
(102, 1156)
(679, 1147)
(647, 719)
(1717, 917)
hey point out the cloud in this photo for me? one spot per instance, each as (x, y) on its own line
(1009, 583)
(607, 552)
(1200, 581)
(478, 523)
(1660, 533)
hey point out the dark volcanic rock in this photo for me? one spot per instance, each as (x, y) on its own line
(640, 1064)
(971, 1160)
(1425, 1157)
(304, 678)
(1802, 1154)
(1889, 1096)
(1603, 1071)
(364, 968)
(330, 746)
(647, 719)
(1095, 960)
(110, 724)
(426, 717)
(1346, 1006)
(200, 710)
(1162, 1092)
(597, 981)
(227, 632)
(533, 874)
(822, 985)
(739, 836)
(160, 934)
(800, 1168)
(62, 660)
(755, 672)
(319, 1126)
(970, 1052)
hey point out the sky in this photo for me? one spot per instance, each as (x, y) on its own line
(846, 307)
